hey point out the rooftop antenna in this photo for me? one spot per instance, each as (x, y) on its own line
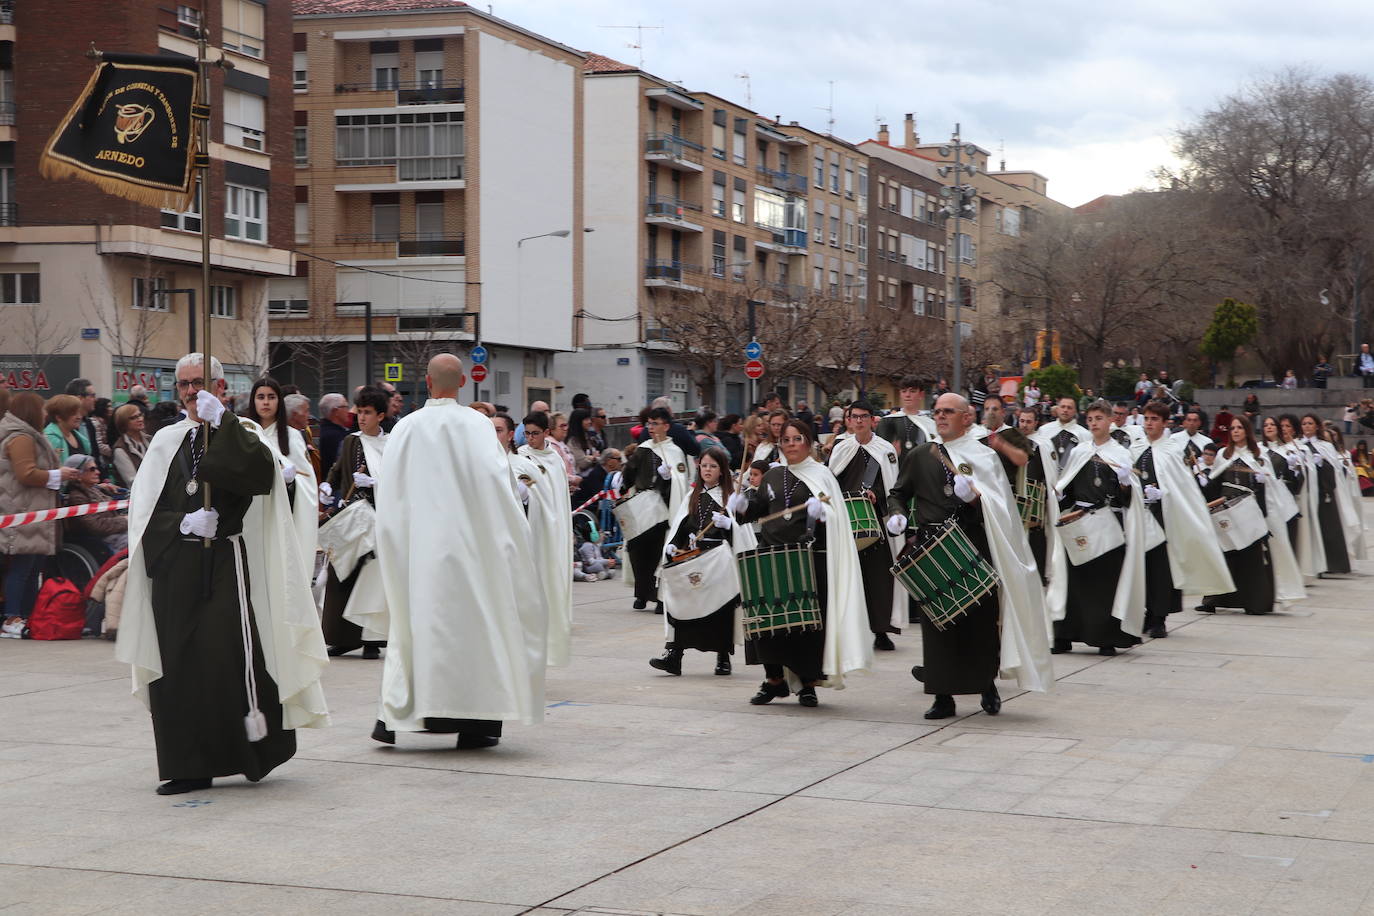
(638, 43)
(1002, 154)
(748, 89)
(830, 110)
(877, 121)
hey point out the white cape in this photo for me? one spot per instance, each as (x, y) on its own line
(848, 646)
(1023, 620)
(1128, 603)
(1045, 435)
(1287, 576)
(1352, 522)
(1196, 562)
(305, 505)
(469, 620)
(885, 453)
(367, 603)
(279, 590)
(549, 514)
(680, 488)
(1310, 549)
(741, 538)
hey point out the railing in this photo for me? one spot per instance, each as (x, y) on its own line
(413, 92)
(9, 214)
(7, 111)
(432, 168)
(669, 270)
(669, 207)
(6, 12)
(673, 146)
(412, 244)
(783, 180)
(789, 292)
(788, 238)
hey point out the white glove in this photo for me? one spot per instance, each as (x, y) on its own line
(692, 541)
(54, 479)
(1260, 477)
(1152, 493)
(326, 492)
(1203, 479)
(523, 491)
(362, 480)
(664, 471)
(723, 522)
(963, 488)
(737, 503)
(202, 523)
(896, 524)
(670, 551)
(814, 508)
(288, 472)
(209, 408)
(776, 464)
(1123, 476)
(1317, 459)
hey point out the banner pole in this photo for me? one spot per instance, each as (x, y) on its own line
(203, 176)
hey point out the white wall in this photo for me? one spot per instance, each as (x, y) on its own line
(392, 292)
(611, 166)
(525, 182)
(619, 389)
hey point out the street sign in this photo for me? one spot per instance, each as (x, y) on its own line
(479, 373)
(753, 350)
(754, 368)
(394, 372)
(478, 355)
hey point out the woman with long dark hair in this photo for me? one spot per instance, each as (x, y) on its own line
(1338, 521)
(267, 408)
(584, 452)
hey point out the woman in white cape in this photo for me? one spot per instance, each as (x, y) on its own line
(814, 657)
(267, 410)
(1280, 436)
(1337, 513)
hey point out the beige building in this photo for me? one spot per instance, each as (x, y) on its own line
(447, 225)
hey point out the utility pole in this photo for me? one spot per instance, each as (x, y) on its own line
(961, 198)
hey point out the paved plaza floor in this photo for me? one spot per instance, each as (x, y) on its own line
(1226, 769)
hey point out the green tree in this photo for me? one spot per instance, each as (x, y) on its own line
(1056, 380)
(1234, 324)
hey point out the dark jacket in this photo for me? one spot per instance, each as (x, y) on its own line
(734, 445)
(331, 437)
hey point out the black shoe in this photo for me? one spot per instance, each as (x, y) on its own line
(1157, 631)
(468, 742)
(383, 734)
(807, 697)
(336, 651)
(658, 607)
(182, 786)
(942, 708)
(992, 701)
(671, 662)
(372, 652)
(884, 642)
(1061, 646)
(1206, 609)
(1107, 650)
(919, 673)
(723, 663)
(640, 604)
(769, 692)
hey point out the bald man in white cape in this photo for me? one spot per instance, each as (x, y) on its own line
(469, 617)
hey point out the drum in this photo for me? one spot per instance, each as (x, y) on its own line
(699, 585)
(1238, 520)
(777, 586)
(1090, 535)
(1030, 504)
(943, 573)
(640, 512)
(348, 536)
(863, 520)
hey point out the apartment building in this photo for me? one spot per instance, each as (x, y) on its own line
(438, 186)
(691, 195)
(97, 286)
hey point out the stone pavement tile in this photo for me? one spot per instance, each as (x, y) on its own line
(74, 891)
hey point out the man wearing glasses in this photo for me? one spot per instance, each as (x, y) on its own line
(226, 677)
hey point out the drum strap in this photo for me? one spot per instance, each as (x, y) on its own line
(870, 468)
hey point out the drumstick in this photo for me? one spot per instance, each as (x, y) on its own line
(824, 497)
(1114, 467)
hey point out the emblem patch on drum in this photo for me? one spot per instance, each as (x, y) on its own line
(965, 470)
(1081, 542)
(1223, 523)
(695, 579)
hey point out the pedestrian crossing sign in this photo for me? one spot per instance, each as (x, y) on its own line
(395, 372)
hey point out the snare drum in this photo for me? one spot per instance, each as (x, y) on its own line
(863, 520)
(943, 573)
(638, 513)
(1030, 504)
(1091, 535)
(777, 586)
(348, 536)
(1238, 521)
(699, 585)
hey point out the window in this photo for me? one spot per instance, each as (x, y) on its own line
(424, 146)
(299, 139)
(834, 283)
(224, 302)
(817, 276)
(243, 27)
(386, 71)
(718, 195)
(834, 232)
(288, 308)
(740, 140)
(819, 162)
(187, 220)
(737, 207)
(146, 294)
(863, 187)
(863, 240)
(818, 227)
(848, 281)
(244, 119)
(298, 72)
(429, 69)
(245, 213)
(741, 262)
(717, 253)
(1011, 221)
(302, 223)
(849, 230)
(968, 252)
(861, 290)
(188, 16)
(386, 222)
(718, 133)
(849, 183)
(653, 383)
(835, 177)
(918, 300)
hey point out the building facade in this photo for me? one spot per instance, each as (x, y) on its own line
(438, 186)
(93, 285)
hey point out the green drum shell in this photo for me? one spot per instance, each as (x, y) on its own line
(1031, 504)
(943, 573)
(778, 590)
(863, 520)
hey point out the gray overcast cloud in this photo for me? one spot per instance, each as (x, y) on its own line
(1086, 92)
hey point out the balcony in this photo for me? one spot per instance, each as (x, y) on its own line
(7, 110)
(673, 152)
(782, 180)
(6, 12)
(410, 244)
(672, 275)
(413, 92)
(788, 292)
(9, 214)
(665, 211)
(783, 241)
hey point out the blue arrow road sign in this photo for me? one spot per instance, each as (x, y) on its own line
(478, 355)
(753, 350)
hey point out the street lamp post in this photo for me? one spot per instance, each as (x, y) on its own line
(519, 246)
(961, 197)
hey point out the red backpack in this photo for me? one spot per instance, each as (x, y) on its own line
(59, 612)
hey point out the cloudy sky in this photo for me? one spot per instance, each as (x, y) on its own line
(1087, 92)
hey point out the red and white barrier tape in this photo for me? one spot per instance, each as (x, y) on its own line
(604, 494)
(49, 515)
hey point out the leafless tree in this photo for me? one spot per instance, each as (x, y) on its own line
(126, 334)
(30, 330)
